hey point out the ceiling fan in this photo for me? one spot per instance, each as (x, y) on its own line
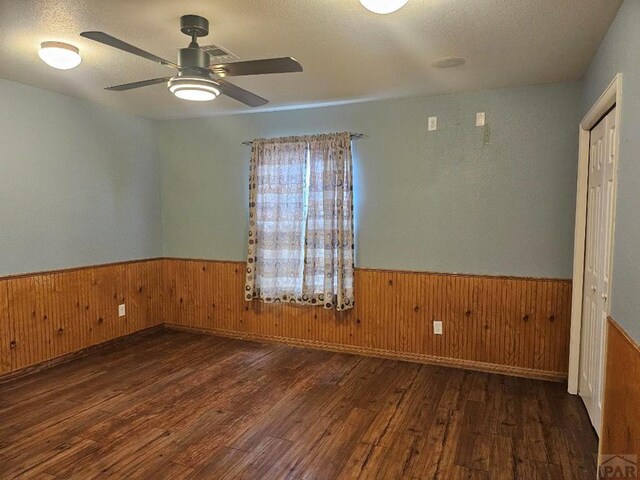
(197, 79)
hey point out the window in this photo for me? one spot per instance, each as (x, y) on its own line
(301, 221)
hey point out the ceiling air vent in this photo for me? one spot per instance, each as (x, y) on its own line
(218, 54)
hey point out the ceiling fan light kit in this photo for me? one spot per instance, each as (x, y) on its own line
(197, 78)
(383, 7)
(59, 55)
(197, 89)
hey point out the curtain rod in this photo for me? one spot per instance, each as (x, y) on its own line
(354, 136)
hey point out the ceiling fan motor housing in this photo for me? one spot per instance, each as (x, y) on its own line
(194, 59)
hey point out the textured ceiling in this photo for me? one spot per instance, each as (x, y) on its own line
(348, 53)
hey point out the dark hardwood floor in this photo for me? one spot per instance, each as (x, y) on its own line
(177, 405)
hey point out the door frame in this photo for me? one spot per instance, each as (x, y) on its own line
(610, 97)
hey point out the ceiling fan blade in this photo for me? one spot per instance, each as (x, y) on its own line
(240, 94)
(143, 83)
(107, 39)
(257, 67)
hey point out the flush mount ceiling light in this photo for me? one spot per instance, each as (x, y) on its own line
(59, 55)
(448, 62)
(383, 6)
(196, 89)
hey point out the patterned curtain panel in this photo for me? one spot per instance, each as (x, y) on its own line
(301, 221)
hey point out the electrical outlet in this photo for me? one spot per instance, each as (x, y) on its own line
(121, 310)
(480, 119)
(433, 124)
(437, 327)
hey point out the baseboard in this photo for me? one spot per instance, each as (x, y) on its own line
(38, 367)
(370, 352)
(374, 352)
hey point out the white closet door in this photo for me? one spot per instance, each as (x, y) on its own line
(597, 271)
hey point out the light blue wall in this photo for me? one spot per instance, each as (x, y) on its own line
(494, 200)
(79, 184)
(620, 52)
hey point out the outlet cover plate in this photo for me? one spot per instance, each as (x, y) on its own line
(437, 327)
(121, 310)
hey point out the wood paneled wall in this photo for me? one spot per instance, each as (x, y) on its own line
(511, 325)
(48, 315)
(621, 414)
(517, 326)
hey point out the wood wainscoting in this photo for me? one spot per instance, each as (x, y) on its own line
(517, 326)
(621, 408)
(50, 315)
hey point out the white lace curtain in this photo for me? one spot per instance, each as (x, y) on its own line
(301, 221)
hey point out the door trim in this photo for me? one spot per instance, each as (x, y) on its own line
(610, 97)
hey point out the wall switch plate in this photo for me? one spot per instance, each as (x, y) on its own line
(121, 310)
(480, 119)
(433, 124)
(437, 327)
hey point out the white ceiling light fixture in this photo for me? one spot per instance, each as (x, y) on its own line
(195, 89)
(383, 7)
(59, 55)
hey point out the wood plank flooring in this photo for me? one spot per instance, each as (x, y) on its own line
(176, 405)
